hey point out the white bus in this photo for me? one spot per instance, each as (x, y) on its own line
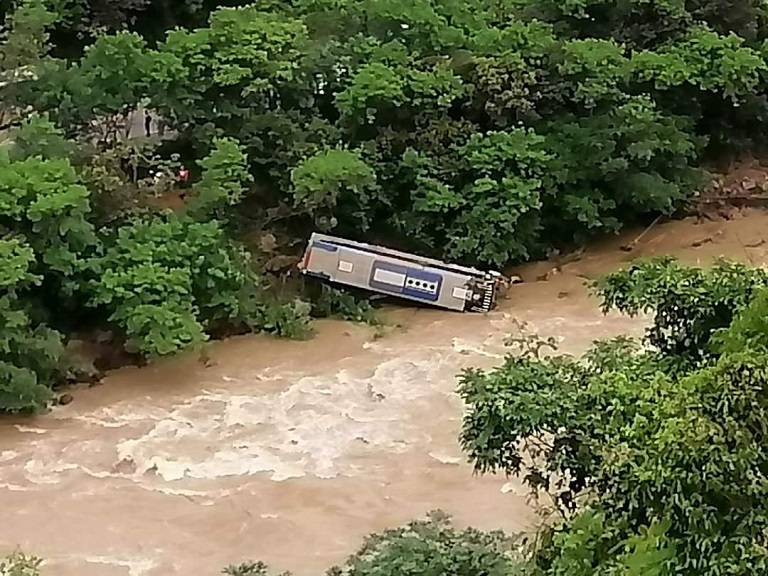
(399, 274)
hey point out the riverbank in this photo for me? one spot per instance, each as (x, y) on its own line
(291, 452)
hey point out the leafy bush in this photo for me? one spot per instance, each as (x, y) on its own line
(30, 352)
(345, 304)
(223, 181)
(20, 564)
(689, 304)
(651, 454)
(480, 133)
(44, 201)
(749, 329)
(249, 569)
(434, 545)
(290, 319)
(333, 179)
(168, 281)
(431, 546)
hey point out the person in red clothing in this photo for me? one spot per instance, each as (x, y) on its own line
(183, 176)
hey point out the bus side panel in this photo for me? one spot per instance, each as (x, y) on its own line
(438, 287)
(340, 264)
(423, 284)
(354, 267)
(387, 275)
(322, 261)
(454, 291)
(416, 283)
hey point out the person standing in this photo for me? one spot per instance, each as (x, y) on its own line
(147, 124)
(183, 176)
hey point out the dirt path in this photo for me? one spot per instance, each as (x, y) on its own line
(292, 452)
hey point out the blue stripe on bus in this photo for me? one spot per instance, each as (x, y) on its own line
(422, 277)
(321, 275)
(325, 246)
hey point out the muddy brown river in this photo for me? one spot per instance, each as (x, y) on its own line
(291, 452)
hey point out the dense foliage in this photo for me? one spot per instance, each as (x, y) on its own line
(655, 456)
(20, 564)
(479, 131)
(475, 132)
(163, 281)
(487, 133)
(431, 546)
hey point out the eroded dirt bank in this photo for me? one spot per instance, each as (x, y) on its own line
(292, 452)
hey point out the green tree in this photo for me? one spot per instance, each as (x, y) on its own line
(165, 281)
(630, 160)
(224, 180)
(230, 71)
(31, 354)
(336, 182)
(430, 546)
(38, 136)
(20, 564)
(500, 197)
(433, 545)
(690, 304)
(25, 43)
(25, 38)
(43, 201)
(95, 96)
(711, 78)
(651, 454)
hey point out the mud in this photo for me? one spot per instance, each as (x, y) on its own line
(291, 452)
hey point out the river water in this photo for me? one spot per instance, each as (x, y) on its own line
(291, 452)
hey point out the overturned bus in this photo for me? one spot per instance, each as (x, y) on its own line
(400, 274)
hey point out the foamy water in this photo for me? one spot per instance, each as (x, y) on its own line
(290, 452)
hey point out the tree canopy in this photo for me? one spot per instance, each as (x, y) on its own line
(654, 456)
(477, 132)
